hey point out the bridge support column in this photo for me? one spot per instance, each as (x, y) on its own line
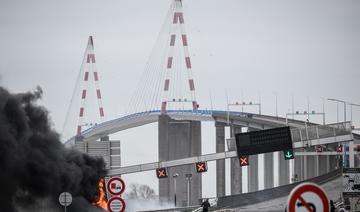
(268, 170)
(253, 171)
(299, 167)
(179, 139)
(253, 177)
(311, 172)
(323, 164)
(220, 164)
(235, 169)
(284, 170)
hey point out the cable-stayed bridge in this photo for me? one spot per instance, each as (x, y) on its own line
(166, 95)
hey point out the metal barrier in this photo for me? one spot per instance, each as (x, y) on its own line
(320, 131)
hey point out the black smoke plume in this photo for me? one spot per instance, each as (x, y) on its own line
(35, 165)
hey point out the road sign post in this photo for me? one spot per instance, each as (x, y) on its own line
(65, 199)
(308, 197)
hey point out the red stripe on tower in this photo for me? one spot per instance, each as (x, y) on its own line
(83, 95)
(98, 93)
(163, 107)
(81, 112)
(90, 58)
(184, 40)
(188, 63)
(78, 131)
(86, 76)
(96, 78)
(195, 105)
(191, 84)
(169, 62)
(101, 112)
(166, 86)
(172, 40)
(175, 18)
(181, 17)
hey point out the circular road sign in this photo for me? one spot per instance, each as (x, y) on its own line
(65, 199)
(115, 186)
(116, 204)
(308, 197)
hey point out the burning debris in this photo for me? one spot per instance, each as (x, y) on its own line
(101, 202)
(35, 165)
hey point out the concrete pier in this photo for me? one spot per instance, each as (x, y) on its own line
(220, 164)
(284, 170)
(179, 139)
(311, 166)
(268, 170)
(235, 169)
(253, 177)
(299, 167)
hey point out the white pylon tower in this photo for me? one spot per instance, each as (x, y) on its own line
(89, 74)
(177, 34)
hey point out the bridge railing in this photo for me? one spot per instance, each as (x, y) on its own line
(320, 131)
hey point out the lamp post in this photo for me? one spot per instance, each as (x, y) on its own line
(337, 100)
(188, 177)
(351, 113)
(343, 145)
(175, 176)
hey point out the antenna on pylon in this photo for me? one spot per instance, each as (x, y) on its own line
(177, 32)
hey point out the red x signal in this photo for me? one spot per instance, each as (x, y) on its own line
(161, 173)
(339, 148)
(319, 148)
(201, 167)
(244, 160)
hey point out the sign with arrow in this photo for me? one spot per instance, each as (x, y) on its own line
(289, 154)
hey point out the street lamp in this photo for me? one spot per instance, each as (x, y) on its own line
(175, 176)
(337, 100)
(351, 113)
(188, 177)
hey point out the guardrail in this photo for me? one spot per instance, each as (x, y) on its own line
(307, 133)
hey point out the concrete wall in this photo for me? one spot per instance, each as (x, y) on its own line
(179, 139)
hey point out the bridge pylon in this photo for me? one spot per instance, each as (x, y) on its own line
(177, 64)
(87, 89)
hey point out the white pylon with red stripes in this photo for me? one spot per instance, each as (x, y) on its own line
(177, 34)
(89, 74)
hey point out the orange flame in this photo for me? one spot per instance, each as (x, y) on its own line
(102, 202)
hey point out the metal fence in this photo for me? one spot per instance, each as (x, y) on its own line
(320, 131)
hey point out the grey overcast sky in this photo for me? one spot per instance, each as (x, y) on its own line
(304, 48)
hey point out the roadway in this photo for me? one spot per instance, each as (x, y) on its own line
(254, 121)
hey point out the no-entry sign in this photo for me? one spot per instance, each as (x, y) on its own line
(115, 186)
(116, 204)
(308, 197)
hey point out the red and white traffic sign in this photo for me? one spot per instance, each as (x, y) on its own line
(116, 204)
(115, 186)
(244, 160)
(308, 197)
